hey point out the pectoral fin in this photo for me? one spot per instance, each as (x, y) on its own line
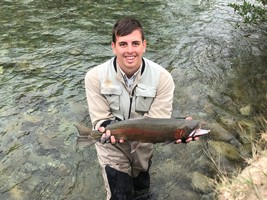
(135, 146)
(200, 132)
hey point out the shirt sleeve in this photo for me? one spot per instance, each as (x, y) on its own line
(99, 109)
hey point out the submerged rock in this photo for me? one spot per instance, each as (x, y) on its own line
(222, 149)
(247, 132)
(218, 133)
(76, 52)
(247, 110)
(202, 183)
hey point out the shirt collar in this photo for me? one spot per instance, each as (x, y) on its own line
(142, 67)
(129, 81)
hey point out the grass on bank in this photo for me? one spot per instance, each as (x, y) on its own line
(250, 183)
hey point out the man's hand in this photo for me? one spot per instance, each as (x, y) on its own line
(187, 139)
(107, 137)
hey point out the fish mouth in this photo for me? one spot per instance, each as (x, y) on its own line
(198, 132)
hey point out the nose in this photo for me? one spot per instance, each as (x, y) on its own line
(130, 48)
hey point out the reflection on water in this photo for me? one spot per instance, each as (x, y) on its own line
(46, 49)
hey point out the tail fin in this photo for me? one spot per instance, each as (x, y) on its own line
(86, 135)
(83, 131)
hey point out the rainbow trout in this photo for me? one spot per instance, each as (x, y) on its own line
(147, 130)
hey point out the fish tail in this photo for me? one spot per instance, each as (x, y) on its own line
(86, 134)
(83, 131)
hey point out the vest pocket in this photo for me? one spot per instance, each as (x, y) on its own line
(112, 95)
(144, 97)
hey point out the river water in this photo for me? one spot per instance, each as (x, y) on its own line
(218, 64)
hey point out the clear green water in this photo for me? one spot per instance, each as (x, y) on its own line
(46, 47)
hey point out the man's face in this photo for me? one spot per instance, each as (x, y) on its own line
(129, 50)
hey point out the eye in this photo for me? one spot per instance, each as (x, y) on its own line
(135, 44)
(122, 44)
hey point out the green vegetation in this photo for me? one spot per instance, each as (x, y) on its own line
(251, 13)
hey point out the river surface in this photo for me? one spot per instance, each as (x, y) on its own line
(218, 63)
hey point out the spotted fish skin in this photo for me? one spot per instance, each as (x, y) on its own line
(147, 130)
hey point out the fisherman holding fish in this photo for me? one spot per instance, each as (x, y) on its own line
(125, 87)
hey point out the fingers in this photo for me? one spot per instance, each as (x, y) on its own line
(102, 129)
(187, 140)
(121, 141)
(183, 140)
(113, 140)
(107, 137)
(178, 141)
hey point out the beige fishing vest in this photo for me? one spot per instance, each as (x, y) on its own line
(122, 100)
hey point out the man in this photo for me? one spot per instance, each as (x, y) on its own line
(127, 86)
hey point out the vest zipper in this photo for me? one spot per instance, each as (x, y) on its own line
(131, 101)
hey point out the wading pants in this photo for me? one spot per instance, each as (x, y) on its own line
(124, 172)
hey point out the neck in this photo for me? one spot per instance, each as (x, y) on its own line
(129, 73)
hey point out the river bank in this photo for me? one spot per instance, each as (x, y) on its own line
(251, 182)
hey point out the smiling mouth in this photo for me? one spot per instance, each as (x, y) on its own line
(129, 57)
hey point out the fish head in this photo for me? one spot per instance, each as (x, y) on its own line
(194, 129)
(191, 125)
(190, 128)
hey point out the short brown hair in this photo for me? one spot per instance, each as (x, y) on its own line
(125, 27)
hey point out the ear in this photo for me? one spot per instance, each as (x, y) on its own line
(144, 45)
(113, 46)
